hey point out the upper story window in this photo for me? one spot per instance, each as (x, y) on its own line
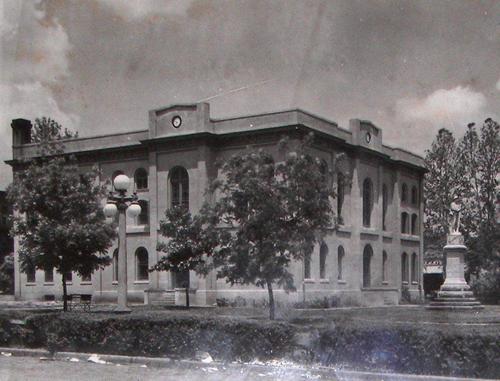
(367, 201)
(30, 273)
(404, 193)
(143, 217)
(384, 206)
(141, 179)
(179, 186)
(404, 223)
(414, 195)
(340, 196)
(49, 276)
(414, 224)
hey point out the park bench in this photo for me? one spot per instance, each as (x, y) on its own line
(79, 301)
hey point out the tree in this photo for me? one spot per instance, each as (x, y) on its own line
(276, 213)
(7, 274)
(190, 239)
(442, 185)
(266, 215)
(48, 130)
(468, 172)
(58, 214)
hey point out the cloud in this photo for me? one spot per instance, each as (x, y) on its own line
(138, 9)
(457, 106)
(35, 62)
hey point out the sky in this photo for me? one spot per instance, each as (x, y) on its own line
(98, 66)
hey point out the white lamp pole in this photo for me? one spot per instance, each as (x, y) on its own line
(119, 202)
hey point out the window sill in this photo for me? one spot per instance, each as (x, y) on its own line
(138, 229)
(69, 283)
(324, 281)
(341, 281)
(115, 282)
(86, 283)
(405, 283)
(414, 283)
(31, 284)
(370, 231)
(409, 237)
(387, 234)
(309, 280)
(48, 283)
(141, 281)
(344, 228)
(143, 190)
(385, 283)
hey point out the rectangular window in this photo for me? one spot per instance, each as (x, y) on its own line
(49, 276)
(69, 277)
(87, 278)
(31, 274)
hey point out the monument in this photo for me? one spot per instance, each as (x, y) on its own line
(455, 293)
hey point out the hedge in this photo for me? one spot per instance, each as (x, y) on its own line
(417, 350)
(451, 350)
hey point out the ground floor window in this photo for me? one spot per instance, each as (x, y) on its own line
(142, 265)
(414, 267)
(340, 260)
(49, 276)
(180, 279)
(404, 267)
(367, 258)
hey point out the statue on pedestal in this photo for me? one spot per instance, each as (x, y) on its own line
(456, 210)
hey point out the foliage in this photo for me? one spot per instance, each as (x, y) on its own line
(58, 216)
(276, 212)
(442, 183)
(7, 274)
(467, 172)
(48, 130)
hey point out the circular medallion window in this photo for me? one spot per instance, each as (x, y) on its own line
(176, 121)
(368, 137)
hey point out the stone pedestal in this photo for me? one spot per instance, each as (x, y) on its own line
(455, 293)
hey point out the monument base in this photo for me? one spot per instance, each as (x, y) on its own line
(455, 293)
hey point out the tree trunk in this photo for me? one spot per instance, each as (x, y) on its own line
(271, 299)
(65, 292)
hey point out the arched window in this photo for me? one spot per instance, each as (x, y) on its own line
(367, 201)
(404, 223)
(143, 217)
(384, 266)
(141, 264)
(141, 179)
(414, 224)
(115, 173)
(404, 193)
(307, 266)
(414, 267)
(404, 268)
(340, 260)
(179, 186)
(30, 273)
(367, 259)
(340, 196)
(414, 195)
(323, 252)
(384, 206)
(115, 265)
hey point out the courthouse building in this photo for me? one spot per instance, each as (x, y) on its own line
(374, 257)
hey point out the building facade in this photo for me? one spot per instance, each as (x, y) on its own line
(373, 258)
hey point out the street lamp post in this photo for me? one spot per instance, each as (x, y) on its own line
(119, 202)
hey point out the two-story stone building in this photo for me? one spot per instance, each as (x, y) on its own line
(373, 258)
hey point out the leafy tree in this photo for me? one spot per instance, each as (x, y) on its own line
(190, 239)
(276, 211)
(443, 183)
(58, 216)
(48, 130)
(7, 274)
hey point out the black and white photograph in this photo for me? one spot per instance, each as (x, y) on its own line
(249, 190)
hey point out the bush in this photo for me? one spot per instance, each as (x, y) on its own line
(177, 337)
(410, 350)
(319, 303)
(7, 274)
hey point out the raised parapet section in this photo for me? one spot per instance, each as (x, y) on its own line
(366, 134)
(21, 132)
(177, 120)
